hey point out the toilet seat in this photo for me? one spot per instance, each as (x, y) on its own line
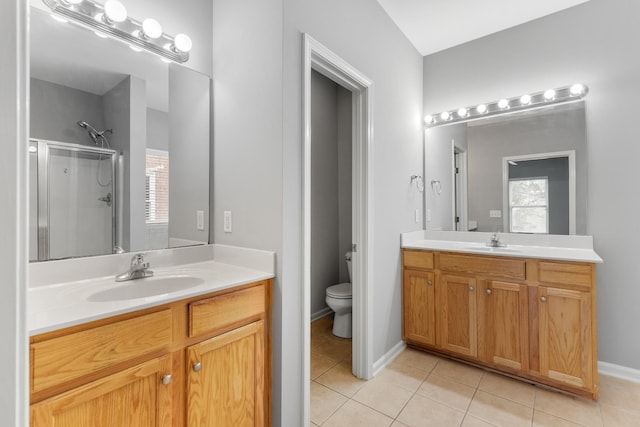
(340, 291)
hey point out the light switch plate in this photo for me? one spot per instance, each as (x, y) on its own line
(495, 214)
(228, 222)
(200, 220)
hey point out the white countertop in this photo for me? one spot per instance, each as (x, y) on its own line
(565, 248)
(60, 305)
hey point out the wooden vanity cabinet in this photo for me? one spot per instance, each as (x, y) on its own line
(526, 317)
(203, 361)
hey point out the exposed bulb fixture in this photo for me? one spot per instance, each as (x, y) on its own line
(549, 95)
(445, 115)
(503, 104)
(110, 19)
(481, 109)
(463, 112)
(429, 119)
(577, 89)
(525, 99)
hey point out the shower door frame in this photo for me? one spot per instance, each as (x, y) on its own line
(44, 147)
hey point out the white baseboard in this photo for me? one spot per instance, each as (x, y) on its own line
(320, 314)
(618, 371)
(388, 357)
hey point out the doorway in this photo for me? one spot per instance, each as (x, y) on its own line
(320, 59)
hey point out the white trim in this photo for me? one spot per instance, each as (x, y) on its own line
(462, 195)
(321, 313)
(321, 59)
(622, 372)
(571, 154)
(388, 357)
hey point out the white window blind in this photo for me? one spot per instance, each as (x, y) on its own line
(157, 186)
(529, 205)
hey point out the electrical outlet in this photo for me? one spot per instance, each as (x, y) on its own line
(428, 213)
(200, 220)
(228, 222)
(417, 215)
(495, 214)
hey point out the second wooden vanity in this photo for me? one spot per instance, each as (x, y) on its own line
(200, 361)
(532, 318)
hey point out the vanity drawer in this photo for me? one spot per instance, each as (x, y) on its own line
(417, 259)
(217, 312)
(68, 357)
(484, 266)
(576, 275)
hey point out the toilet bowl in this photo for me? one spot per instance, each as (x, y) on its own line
(338, 298)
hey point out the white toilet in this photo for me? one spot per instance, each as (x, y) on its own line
(339, 300)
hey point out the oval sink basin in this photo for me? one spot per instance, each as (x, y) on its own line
(148, 287)
(488, 249)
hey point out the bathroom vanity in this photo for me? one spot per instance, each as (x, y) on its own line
(103, 354)
(527, 310)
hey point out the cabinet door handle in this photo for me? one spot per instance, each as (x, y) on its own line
(543, 299)
(167, 379)
(489, 291)
(429, 282)
(197, 366)
(471, 289)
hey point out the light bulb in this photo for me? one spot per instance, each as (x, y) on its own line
(151, 28)
(503, 104)
(168, 61)
(134, 48)
(445, 115)
(577, 89)
(99, 34)
(549, 94)
(429, 119)
(462, 112)
(183, 43)
(115, 11)
(482, 108)
(525, 99)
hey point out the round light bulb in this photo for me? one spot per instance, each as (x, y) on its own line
(482, 108)
(549, 94)
(503, 104)
(183, 43)
(577, 89)
(151, 28)
(429, 119)
(463, 112)
(445, 115)
(115, 11)
(525, 99)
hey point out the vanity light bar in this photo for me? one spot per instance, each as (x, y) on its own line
(509, 105)
(111, 19)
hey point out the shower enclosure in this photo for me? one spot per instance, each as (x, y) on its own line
(73, 200)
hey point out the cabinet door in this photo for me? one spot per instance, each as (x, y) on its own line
(226, 379)
(134, 397)
(457, 302)
(419, 308)
(503, 309)
(566, 353)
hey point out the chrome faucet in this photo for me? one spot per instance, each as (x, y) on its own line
(494, 241)
(138, 270)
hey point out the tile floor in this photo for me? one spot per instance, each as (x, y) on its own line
(419, 389)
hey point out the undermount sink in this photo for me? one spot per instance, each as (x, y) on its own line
(147, 287)
(491, 249)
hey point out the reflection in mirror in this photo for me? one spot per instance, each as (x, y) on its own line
(540, 155)
(120, 140)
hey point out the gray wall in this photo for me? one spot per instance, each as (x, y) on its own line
(592, 43)
(330, 177)
(157, 129)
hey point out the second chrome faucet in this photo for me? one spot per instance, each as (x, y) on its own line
(138, 270)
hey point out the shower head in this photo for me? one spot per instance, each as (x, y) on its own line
(93, 133)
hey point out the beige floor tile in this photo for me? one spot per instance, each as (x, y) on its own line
(575, 409)
(320, 364)
(314, 424)
(540, 419)
(619, 393)
(332, 347)
(398, 424)
(324, 402)
(355, 414)
(418, 359)
(446, 391)
(383, 397)
(341, 379)
(470, 421)
(508, 388)
(423, 412)
(499, 411)
(459, 372)
(615, 417)
(402, 375)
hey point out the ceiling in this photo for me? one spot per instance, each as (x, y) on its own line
(435, 25)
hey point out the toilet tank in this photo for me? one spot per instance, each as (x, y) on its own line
(347, 258)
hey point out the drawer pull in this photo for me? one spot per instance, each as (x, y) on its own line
(429, 282)
(489, 291)
(543, 299)
(197, 367)
(471, 289)
(166, 380)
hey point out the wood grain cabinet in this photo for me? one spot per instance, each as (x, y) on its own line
(526, 317)
(204, 361)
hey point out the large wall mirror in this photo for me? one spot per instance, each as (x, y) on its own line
(521, 173)
(119, 146)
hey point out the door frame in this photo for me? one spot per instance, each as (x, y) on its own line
(321, 59)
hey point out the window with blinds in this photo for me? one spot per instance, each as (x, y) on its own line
(157, 187)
